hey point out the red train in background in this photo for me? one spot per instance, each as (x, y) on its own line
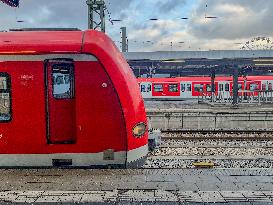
(68, 98)
(183, 88)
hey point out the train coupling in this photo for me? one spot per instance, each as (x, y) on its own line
(154, 140)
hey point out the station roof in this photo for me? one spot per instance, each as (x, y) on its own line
(214, 55)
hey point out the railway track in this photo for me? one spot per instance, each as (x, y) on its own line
(179, 150)
(218, 135)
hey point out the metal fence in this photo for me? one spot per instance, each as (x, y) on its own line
(244, 96)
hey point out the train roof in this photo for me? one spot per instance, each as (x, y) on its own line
(202, 78)
(46, 42)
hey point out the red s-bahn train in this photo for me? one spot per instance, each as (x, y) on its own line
(68, 98)
(183, 88)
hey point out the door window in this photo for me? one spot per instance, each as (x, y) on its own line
(221, 87)
(5, 97)
(183, 87)
(227, 87)
(63, 81)
(188, 87)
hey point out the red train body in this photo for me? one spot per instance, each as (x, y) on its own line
(68, 98)
(183, 88)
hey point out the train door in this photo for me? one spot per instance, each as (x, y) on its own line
(224, 89)
(146, 89)
(186, 91)
(61, 122)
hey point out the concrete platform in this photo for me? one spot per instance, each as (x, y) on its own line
(140, 186)
(191, 116)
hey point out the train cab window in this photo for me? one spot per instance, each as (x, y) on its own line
(198, 88)
(226, 87)
(188, 87)
(173, 88)
(158, 87)
(183, 87)
(5, 98)
(63, 82)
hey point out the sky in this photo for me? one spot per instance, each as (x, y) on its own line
(237, 22)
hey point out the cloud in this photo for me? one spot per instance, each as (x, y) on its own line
(236, 19)
(170, 5)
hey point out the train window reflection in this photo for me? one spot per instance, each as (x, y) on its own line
(5, 97)
(158, 87)
(63, 82)
(173, 88)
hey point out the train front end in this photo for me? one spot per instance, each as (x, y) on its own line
(126, 87)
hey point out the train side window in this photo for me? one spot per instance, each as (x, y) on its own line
(158, 87)
(198, 87)
(226, 87)
(183, 87)
(253, 87)
(208, 88)
(188, 87)
(173, 88)
(63, 81)
(240, 86)
(5, 97)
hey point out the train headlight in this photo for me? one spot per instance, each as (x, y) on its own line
(139, 130)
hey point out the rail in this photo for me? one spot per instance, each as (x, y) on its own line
(244, 96)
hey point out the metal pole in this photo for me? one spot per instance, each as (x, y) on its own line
(102, 16)
(96, 15)
(212, 84)
(235, 84)
(90, 14)
(124, 45)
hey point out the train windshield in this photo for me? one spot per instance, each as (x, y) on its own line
(5, 99)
